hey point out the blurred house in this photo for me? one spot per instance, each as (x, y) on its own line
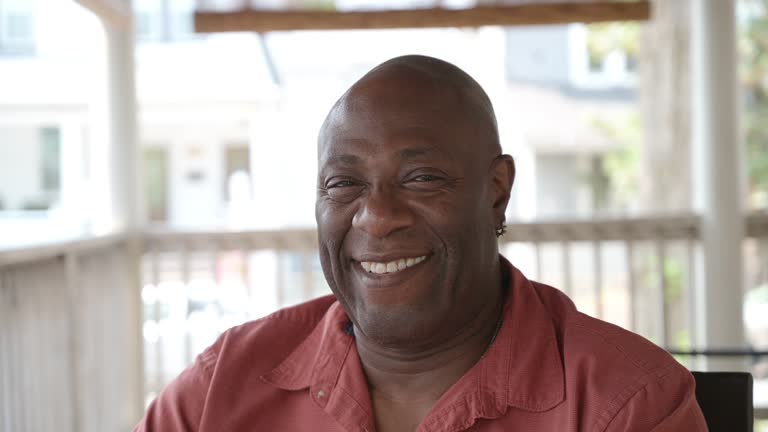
(552, 76)
(222, 115)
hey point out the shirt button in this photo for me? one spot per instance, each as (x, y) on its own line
(320, 394)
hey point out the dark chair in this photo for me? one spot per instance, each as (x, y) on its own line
(725, 399)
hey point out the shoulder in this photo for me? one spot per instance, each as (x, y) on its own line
(613, 370)
(263, 343)
(234, 362)
(581, 336)
(288, 323)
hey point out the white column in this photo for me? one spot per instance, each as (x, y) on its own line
(717, 178)
(124, 175)
(124, 149)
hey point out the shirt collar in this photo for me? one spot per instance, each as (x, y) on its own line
(522, 368)
(526, 350)
(319, 358)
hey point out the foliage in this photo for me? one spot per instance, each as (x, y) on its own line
(753, 45)
(606, 37)
(619, 166)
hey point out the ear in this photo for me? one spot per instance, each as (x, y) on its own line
(503, 177)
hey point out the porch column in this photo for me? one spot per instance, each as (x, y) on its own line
(126, 208)
(124, 149)
(717, 179)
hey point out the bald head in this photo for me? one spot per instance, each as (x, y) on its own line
(410, 170)
(403, 82)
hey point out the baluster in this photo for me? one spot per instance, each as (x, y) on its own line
(539, 265)
(690, 248)
(629, 246)
(661, 261)
(72, 272)
(567, 274)
(597, 260)
(185, 280)
(156, 310)
(5, 349)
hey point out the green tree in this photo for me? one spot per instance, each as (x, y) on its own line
(605, 37)
(616, 182)
(753, 46)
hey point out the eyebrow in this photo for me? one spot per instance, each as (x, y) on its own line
(345, 158)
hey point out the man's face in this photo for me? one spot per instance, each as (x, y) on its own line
(405, 211)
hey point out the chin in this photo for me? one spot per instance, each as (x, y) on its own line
(396, 326)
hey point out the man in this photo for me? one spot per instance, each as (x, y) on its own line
(430, 329)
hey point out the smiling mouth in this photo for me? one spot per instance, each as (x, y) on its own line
(391, 266)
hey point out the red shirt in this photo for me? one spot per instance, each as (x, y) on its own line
(550, 368)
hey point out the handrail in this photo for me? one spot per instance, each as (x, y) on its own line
(161, 239)
(23, 255)
(609, 229)
(645, 228)
(718, 352)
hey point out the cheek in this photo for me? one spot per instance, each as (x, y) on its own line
(333, 224)
(449, 215)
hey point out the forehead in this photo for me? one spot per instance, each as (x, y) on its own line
(351, 151)
(409, 123)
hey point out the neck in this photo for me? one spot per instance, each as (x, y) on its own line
(423, 375)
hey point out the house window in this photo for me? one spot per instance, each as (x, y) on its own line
(182, 19)
(50, 160)
(164, 20)
(148, 19)
(156, 182)
(17, 27)
(238, 172)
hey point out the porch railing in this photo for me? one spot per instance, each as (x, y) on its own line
(72, 326)
(69, 341)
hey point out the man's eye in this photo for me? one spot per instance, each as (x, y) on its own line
(425, 182)
(343, 190)
(425, 178)
(341, 184)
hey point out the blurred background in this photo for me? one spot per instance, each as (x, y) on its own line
(157, 184)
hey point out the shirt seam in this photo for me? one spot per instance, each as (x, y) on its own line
(622, 399)
(208, 360)
(643, 367)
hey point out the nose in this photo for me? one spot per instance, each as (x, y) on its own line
(382, 213)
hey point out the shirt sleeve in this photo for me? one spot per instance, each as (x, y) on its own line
(667, 403)
(179, 407)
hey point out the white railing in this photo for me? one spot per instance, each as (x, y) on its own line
(637, 273)
(610, 268)
(70, 315)
(69, 345)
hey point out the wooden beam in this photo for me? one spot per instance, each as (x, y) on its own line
(527, 14)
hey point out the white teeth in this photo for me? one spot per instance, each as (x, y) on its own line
(392, 266)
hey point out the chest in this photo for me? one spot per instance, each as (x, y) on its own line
(393, 416)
